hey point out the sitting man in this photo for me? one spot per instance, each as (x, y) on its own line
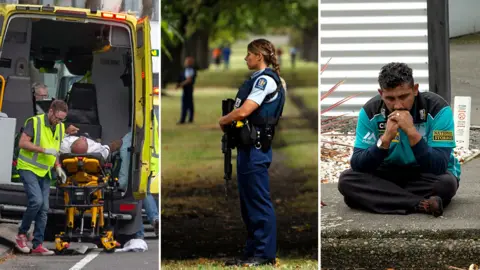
(403, 158)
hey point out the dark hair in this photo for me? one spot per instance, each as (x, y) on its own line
(267, 49)
(59, 105)
(395, 74)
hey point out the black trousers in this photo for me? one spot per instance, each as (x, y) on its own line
(187, 105)
(396, 191)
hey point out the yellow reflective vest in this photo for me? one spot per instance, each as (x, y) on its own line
(39, 163)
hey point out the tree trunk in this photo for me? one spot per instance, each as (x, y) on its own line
(172, 68)
(197, 47)
(147, 8)
(309, 45)
(95, 4)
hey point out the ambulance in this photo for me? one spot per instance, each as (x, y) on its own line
(107, 57)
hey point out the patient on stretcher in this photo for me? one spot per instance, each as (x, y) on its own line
(94, 156)
(84, 145)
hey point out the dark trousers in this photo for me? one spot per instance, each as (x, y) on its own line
(256, 205)
(394, 191)
(187, 105)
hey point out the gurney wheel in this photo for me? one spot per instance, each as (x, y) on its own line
(60, 252)
(111, 250)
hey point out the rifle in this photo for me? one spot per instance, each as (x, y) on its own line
(228, 143)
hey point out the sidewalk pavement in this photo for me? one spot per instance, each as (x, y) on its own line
(351, 238)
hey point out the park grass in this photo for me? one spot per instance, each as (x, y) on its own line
(192, 152)
(211, 264)
(305, 74)
(309, 97)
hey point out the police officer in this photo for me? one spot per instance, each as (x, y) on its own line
(39, 146)
(259, 104)
(186, 81)
(403, 159)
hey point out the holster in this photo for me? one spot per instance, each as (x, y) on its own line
(258, 136)
(247, 134)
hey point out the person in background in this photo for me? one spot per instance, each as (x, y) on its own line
(217, 54)
(149, 203)
(40, 92)
(293, 56)
(187, 81)
(279, 56)
(226, 52)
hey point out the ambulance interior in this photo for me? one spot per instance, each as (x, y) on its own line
(38, 48)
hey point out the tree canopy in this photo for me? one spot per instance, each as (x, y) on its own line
(227, 20)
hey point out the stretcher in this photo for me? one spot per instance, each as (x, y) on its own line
(88, 191)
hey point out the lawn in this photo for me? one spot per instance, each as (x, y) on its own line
(305, 74)
(207, 264)
(192, 153)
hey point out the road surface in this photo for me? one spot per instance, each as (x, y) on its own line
(93, 259)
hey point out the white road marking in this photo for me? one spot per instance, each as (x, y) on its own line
(92, 255)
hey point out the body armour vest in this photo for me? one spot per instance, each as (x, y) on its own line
(182, 78)
(267, 113)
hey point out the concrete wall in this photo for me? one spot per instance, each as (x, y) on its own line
(464, 17)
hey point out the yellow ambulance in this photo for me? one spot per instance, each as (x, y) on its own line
(114, 51)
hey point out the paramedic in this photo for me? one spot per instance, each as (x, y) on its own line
(39, 145)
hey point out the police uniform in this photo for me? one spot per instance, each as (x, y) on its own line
(264, 88)
(187, 96)
(395, 180)
(35, 172)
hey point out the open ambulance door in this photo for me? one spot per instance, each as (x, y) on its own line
(142, 109)
(3, 30)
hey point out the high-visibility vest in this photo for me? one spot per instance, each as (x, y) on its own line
(155, 154)
(39, 163)
(87, 78)
(154, 165)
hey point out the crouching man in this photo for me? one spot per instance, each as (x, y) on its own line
(403, 154)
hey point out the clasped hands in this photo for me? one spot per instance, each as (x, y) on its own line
(400, 119)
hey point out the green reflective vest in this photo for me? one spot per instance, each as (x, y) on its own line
(87, 78)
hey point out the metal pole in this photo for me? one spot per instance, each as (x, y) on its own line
(439, 49)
